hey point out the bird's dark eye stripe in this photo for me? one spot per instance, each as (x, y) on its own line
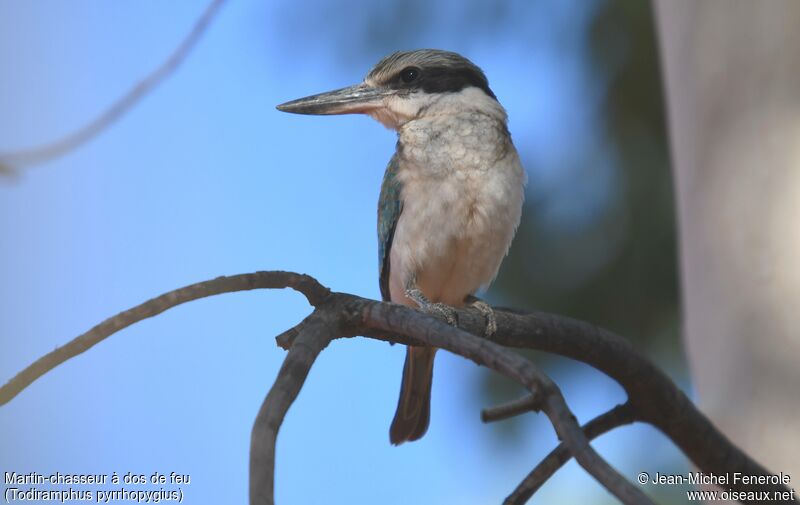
(442, 80)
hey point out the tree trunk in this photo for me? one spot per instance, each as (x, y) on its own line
(732, 73)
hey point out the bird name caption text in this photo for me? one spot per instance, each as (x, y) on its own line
(724, 481)
(60, 487)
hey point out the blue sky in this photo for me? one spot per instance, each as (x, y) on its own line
(204, 178)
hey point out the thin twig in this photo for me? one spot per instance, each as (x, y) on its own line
(614, 418)
(315, 292)
(528, 403)
(40, 154)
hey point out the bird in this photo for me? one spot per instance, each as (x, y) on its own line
(450, 201)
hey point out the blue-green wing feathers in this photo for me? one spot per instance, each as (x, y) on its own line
(390, 205)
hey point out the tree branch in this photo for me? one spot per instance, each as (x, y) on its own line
(313, 291)
(392, 318)
(652, 396)
(314, 335)
(36, 155)
(614, 418)
(513, 408)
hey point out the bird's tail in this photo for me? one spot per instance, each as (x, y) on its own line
(414, 406)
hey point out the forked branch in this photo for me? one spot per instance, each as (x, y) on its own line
(652, 397)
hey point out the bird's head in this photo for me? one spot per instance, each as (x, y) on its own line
(405, 86)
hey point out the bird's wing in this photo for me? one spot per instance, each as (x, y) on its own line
(390, 206)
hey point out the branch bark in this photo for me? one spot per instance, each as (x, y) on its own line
(315, 334)
(652, 396)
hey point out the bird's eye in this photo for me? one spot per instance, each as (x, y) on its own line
(409, 74)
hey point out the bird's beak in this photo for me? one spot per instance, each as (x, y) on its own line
(359, 99)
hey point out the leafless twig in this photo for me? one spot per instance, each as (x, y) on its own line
(527, 403)
(14, 160)
(614, 418)
(312, 290)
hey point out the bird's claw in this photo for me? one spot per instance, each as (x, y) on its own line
(434, 308)
(445, 311)
(488, 313)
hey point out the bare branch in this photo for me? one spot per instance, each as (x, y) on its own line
(394, 319)
(36, 155)
(519, 406)
(313, 291)
(314, 335)
(614, 418)
(653, 397)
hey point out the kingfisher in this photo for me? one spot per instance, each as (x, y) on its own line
(450, 201)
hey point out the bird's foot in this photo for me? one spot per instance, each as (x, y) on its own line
(433, 308)
(488, 314)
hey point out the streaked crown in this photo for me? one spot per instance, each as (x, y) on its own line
(429, 71)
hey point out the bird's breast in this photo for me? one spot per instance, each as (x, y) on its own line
(462, 200)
